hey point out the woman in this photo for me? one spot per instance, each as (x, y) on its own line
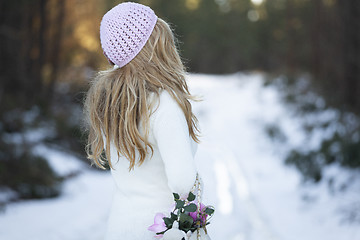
(139, 113)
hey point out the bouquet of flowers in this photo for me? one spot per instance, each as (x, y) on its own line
(188, 216)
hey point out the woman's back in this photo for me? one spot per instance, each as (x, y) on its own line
(140, 116)
(147, 190)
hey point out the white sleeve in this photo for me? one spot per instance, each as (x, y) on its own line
(173, 139)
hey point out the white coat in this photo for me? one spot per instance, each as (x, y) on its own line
(147, 190)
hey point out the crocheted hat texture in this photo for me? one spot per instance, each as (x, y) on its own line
(124, 31)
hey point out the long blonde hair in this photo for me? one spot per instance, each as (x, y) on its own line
(118, 99)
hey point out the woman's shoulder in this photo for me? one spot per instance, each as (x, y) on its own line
(167, 103)
(166, 106)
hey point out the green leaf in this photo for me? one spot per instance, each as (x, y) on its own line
(161, 232)
(185, 222)
(174, 216)
(176, 196)
(168, 222)
(179, 204)
(190, 208)
(209, 211)
(191, 197)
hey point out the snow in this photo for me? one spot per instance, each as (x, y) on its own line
(79, 213)
(63, 163)
(256, 197)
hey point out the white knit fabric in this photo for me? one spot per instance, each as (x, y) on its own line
(147, 190)
(124, 30)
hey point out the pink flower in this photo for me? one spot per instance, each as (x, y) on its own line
(159, 225)
(203, 215)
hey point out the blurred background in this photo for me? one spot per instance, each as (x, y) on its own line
(290, 66)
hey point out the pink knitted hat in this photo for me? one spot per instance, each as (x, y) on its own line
(124, 31)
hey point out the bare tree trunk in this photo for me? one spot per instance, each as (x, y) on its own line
(57, 39)
(290, 59)
(315, 39)
(41, 45)
(350, 16)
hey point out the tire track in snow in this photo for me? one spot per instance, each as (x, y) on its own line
(233, 193)
(259, 229)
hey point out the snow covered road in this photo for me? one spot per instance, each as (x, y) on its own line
(257, 197)
(229, 108)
